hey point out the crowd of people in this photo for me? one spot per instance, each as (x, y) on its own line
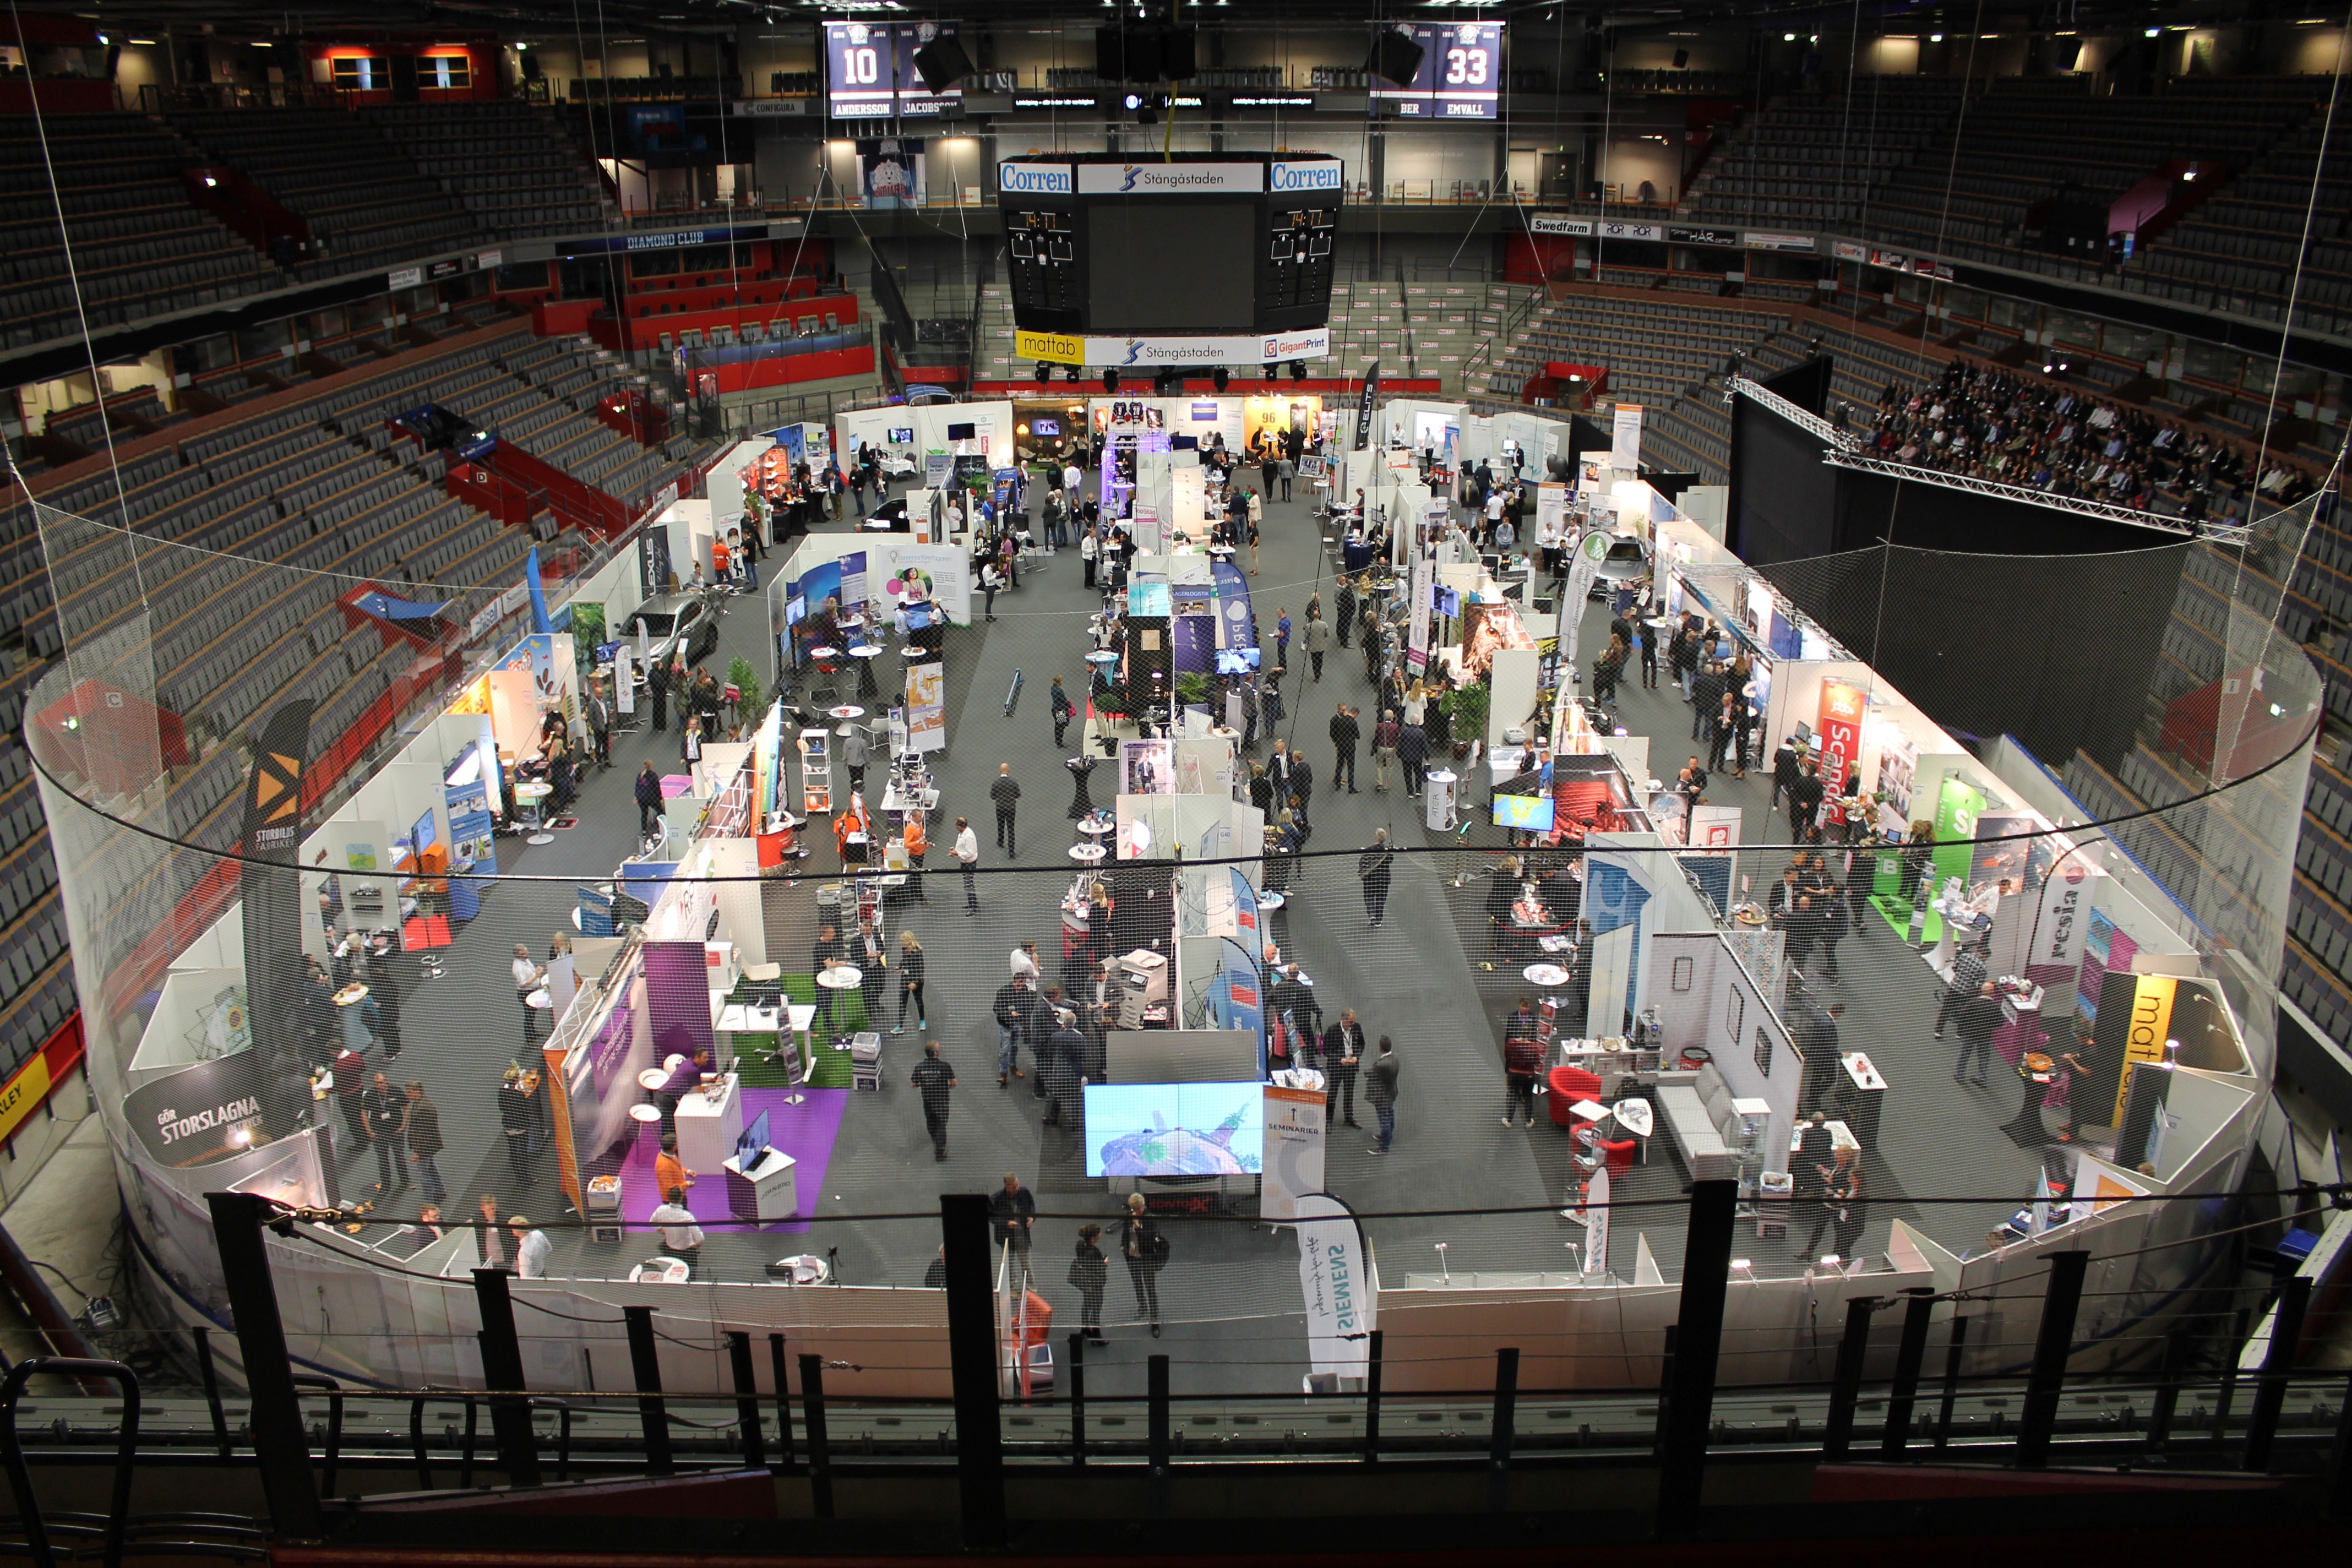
(1990, 425)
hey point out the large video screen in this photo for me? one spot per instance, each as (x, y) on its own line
(1175, 1129)
(1163, 266)
(1461, 75)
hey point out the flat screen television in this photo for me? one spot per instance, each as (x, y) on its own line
(902, 436)
(1175, 1129)
(422, 834)
(963, 432)
(1532, 812)
(1238, 660)
(797, 609)
(919, 617)
(752, 1146)
(1045, 427)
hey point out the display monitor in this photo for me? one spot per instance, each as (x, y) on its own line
(1532, 812)
(902, 434)
(424, 835)
(963, 432)
(1238, 660)
(1187, 266)
(919, 617)
(797, 609)
(752, 1146)
(1045, 427)
(1175, 1129)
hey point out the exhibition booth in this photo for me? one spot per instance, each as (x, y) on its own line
(937, 444)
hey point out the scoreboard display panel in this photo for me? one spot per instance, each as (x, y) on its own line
(869, 70)
(1461, 74)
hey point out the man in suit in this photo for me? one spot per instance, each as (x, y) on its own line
(600, 722)
(1343, 1054)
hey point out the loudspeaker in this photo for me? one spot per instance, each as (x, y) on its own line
(1179, 47)
(2064, 52)
(1682, 59)
(942, 63)
(1110, 54)
(1395, 58)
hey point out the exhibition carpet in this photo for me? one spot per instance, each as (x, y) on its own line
(806, 1132)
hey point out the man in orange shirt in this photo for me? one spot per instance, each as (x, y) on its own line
(918, 844)
(669, 1171)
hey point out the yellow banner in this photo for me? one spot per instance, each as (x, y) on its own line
(1054, 348)
(2151, 1026)
(22, 1092)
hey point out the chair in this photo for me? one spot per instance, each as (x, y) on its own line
(1618, 1155)
(1568, 1086)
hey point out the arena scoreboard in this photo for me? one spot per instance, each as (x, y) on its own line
(1461, 74)
(1202, 246)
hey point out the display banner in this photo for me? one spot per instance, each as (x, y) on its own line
(268, 884)
(1559, 224)
(1841, 730)
(1335, 1277)
(200, 1113)
(1294, 1151)
(927, 706)
(1620, 228)
(624, 678)
(1596, 1223)
(2106, 947)
(2063, 920)
(1127, 352)
(1364, 399)
(2150, 1024)
(939, 575)
(1551, 513)
(1424, 582)
(1168, 179)
(1757, 239)
(1625, 439)
(1958, 805)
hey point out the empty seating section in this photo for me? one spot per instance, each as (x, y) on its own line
(140, 248)
(1816, 159)
(509, 163)
(365, 201)
(2243, 242)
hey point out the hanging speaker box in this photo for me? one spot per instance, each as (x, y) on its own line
(942, 63)
(1179, 47)
(1395, 58)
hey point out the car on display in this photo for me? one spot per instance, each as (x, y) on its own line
(891, 517)
(676, 625)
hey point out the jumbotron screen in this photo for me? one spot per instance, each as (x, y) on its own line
(1188, 269)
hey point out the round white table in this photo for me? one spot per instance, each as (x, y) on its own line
(1635, 1116)
(1096, 826)
(1545, 975)
(1270, 903)
(823, 652)
(529, 798)
(840, 977)
(651, 1079)
(847, 710)
(347, 1001)
(1087, 854)
(865, 650)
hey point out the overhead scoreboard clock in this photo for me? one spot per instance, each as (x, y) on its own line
(1461, 73)
(1172, 261)
(869, 70)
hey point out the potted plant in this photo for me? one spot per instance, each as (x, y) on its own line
(745, 679)
(1192, 689)
(1467, 713)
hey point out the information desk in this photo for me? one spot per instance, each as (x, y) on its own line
(771, 1192)
(708, 1123)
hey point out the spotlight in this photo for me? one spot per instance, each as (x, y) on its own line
(1110, 381)
(1299, 370)
(1044, 372)
(1070, 372)
(1220, 378)
(1269, 369)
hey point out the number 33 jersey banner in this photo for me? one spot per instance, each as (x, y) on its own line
(1461, 74)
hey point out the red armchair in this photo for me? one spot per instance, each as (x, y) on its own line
(1618, 1155)
(1568, 1087)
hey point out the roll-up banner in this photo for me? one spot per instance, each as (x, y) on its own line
(1364, 404)
(1625, 439)
(1336, 1278)
(1840, 727)
(268, 886)
(1295, 1129)
(926, 710)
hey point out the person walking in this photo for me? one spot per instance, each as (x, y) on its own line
(854, 755)
(1968, 977)
(1006, 793)
(910, 983)
(1385, 735)
(1374, 867)
(1804, 802)
(515, 1124)
(1522, 1060)
(1830, 904)
(967, 854)
(1063, 711)
(1319, 643)
(1979, 1016)
(1647, 636)
(1381, 1088)
(649, 801)
(1346, 733)
(1090, 1273)
(1013, 1211)
(1343, 1055)
(423, 1133)
(935, 1080)
(1145, 1247)
(1837, 1209)
(386, 1111)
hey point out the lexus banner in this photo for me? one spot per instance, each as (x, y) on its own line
(272, 896)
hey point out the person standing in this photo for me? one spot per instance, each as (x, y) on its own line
(1343, 1055)
(531, 1248)
(1013, 1211)
(1060, 1065)
(689, 743)
(873, 962)
(827, 951)
(1091, 1272)
(489, 1235)
(1006, 793)
(1145, 1247)
(1804, 801)
(1830, 904)
(1979, 1015)
(351, 1080)
(1381, 1088)
(1413, 750)
(967, 854)
(386, 1113)
(669, 1171)
(515, 1124)
(658, 688)
(935, 1080)
(1347, 732)
(1648, 637)
(600, 722)
(649, 801)
(528, 978)
(854, 755)
(1062, 709)
(1522, 1060)
(1319, 643)
(1840, 1190)
(1282, 637)
(1374, 867)
(1784, 774)
(1344, 607)
(423, 1131)
(911, 981)
(1968, 977)
(681, 1237)
(1013, 1002)
(1385, 735)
